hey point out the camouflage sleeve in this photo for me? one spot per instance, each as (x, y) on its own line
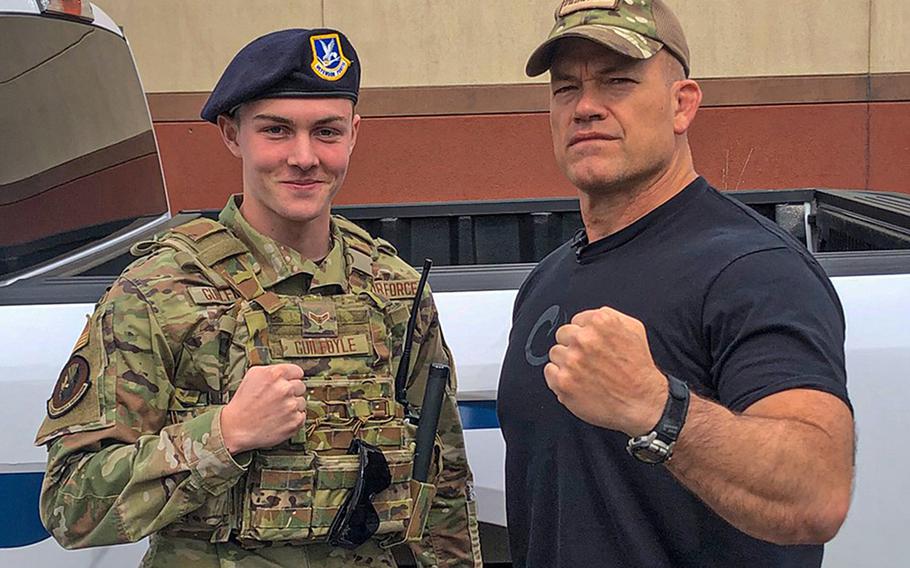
(115, 472)
(452, 537)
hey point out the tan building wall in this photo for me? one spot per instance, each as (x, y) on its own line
(183, 45)
(799, 93)
(890, 46)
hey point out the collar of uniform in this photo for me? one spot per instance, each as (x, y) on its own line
(278, 262)
(332, 270)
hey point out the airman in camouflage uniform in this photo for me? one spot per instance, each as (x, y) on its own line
(145, 431)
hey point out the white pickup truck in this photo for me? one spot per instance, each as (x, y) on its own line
(80, 180)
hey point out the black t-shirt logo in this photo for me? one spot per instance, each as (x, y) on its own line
(543, 336)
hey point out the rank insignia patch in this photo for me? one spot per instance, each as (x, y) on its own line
(318, 318)
(70, 388)
(329, 61)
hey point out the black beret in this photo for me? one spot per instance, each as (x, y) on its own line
(318, 63)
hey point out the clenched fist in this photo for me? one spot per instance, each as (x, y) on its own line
(602, 371)
(268, 408)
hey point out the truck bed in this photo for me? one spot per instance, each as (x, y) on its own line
(483, 251)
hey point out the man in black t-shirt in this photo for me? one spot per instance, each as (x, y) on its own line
(677, 323)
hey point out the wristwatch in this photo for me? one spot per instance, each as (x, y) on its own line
(657, 446)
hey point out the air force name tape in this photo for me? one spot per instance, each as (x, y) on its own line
(396, 289)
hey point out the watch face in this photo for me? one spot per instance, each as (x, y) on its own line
(648, 455)
(650, 450)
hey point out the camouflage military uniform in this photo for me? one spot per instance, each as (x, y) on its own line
(134, 452)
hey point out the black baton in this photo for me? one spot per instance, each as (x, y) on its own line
(401, 377)
(437, 380)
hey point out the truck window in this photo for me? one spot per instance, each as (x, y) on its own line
(78, 158)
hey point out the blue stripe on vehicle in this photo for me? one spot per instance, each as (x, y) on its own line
(19, 521)
(21, 526)
(478, 414)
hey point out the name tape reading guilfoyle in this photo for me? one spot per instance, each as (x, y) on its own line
(326, 347)
(204, 295)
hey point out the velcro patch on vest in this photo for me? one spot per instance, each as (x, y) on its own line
(326, 346)
(396, 289)
(571, 6)
(206, 295)
(292, 480)
(319, 319)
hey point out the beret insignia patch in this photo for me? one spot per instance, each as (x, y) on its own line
(329, 61)
(70, 388)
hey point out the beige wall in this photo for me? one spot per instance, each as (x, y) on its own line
(183, 45)
(891, 36)
(741, 38)
(441, 42)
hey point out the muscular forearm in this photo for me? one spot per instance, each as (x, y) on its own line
(126, 491)
(782, 480)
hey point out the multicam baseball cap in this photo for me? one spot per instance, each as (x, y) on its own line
(635, 28)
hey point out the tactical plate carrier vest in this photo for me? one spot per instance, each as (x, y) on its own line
(345, 345)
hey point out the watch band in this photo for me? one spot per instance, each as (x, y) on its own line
(657, 446)
(674, 417)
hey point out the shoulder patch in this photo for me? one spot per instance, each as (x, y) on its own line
(396, 289)
(71, 386)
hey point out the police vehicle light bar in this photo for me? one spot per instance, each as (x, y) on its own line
(68, 8)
